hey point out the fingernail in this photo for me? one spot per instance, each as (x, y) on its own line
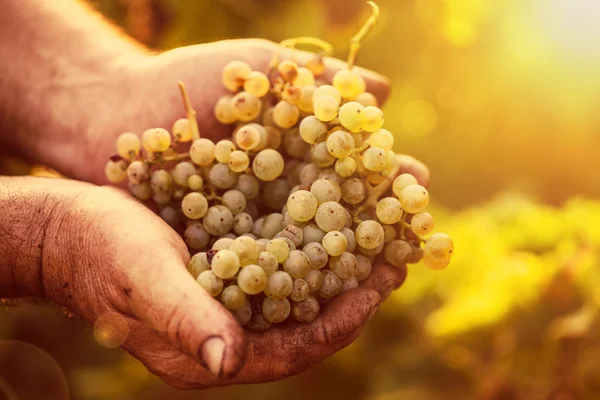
(213, 353)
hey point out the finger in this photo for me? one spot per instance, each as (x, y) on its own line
(385, 279)
(410, 165)
(160, 292)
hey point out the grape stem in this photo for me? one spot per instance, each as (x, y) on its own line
(177, 157)
(191, 113)
(403, 225)
(361, 148)
(357, 39)
(375, 192)
(326, 48)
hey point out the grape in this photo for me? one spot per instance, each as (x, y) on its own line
(374, 159)
(373, 120)
(352, 116)
(288, 70)
(312, 130)
(302, 205)
(178, 194)
(366, 99)
(327, 90)
(195, 236)
(369, 234)
(234, 200)
(235, 74)
(257, 84)
(279, 248)
(195, 182)
(246, 106)
(210, 282)
(275, 311)
(397, 252)
(330, 174)
(222, 150)
(279, 286)
(257, 226)
(416, 255)
(222, 177)
(363, 267)
(290, 244)
(305, 78)
(291, 95)
(348, 83)
(389, 210)
(262, 244)
(285, 114)
(243, 314)
(246, 249)
(390, 162)
(194, 205)
(198, 264)
(330, 216)
(275, 193)
(223, 243)
(248, 185)
(224, 111)
(300, 290)
(350, 283)
(202, 152)
(344, 265)
(161, 181)
(309, 173)
(345, 167)
(242, 223)
(288, 220)
(297, 264)
(335, 243)
(170, 215)
(182, 130)
(421, 223)
(247, 137)
(128, 145)
(252, 209)
(271, 225)
(268, 165)
(401, 182)
(439, 247)
(258, 323)
(340, 144)
(293, 233)
(350, 239)
(389, 233)
(273, 138)
(162, 198)
(316, 65)
(332, 285)
(292, 172)
(156, 140)
(383, 139)
(414, 198)
(182, 172)
(325, 108)
(314, 278)
(371, 252)
(116, 171)
(226, 263)
(267, 262)
(264, 137)
(306, 311)
(294, 145)
(142, 191)
(218, 220)
(353, 191)
(305, 103)
(319, 155)
(252, 279)
(312, 233)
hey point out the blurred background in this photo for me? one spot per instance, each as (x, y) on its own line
(501, 100)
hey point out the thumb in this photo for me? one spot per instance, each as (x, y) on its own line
(160, 292)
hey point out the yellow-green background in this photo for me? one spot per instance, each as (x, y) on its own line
(501, 99)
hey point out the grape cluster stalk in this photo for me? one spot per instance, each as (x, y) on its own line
(294, 208)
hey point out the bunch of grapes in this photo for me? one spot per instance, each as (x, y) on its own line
(292, 211)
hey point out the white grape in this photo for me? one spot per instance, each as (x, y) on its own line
(198, 264)
(252, 279)
(182, 130)
(369, 234)
(222, 177)
(195, 236)
(234, 200)
(194, 205)
(156, 140)
(222, 150)
(296, 264)
(246, 249)
(279, 285)
(225, 264)
(302, 205)
(344, 265)
(401, 182)
(268, 165)
(312, 130)
(306, 311)
(275, 311)
(352, 116)
(335, 243)
(210, 282)
(374, 159)
(389, 210)
(128, 145)
(383, 139)
(267, 262)
(218, 220)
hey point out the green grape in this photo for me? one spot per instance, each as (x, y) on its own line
(161, 181)
(116, 171)
(349, 218)
(273, 138)
(202, 152)
(349, 284)
(226, 263)
(317, 255)
(248, 185)
(156, 140)
(258, 323)
(262, 244)
(312, 233)
(182, 130)
(293, 233)
(294, 145)
(414, 198)
(242, 223)
(314, 279)
(369, 234)
(305, 78)
(235, 74)
(309, 173)
(243, 314)
(285, 115)
(210, 282)
(438, 248)
(271, 225)
(353, 191)
(300, 290)
(371, 252)
(350, 239)
(349, 83)
(195, 182)
(331, 286)
(320, 156)
(279, 286)
(246, 249)
(170, 215)
(246, 106)
(182, 172)
(383, 139)
(291, 95)
(316, 65)
(374, 159)
(340, 144)
(267, 262)
(222, 150)
(344, 265)
(401, 182)
(330, 174)
(222, 177)
(218, 220)
(327, 90)
(352, 116)
(223, 243)
(234, 200)
(198, 264)
(296, 264)
(275, 311)
(422, 223)
(224, 111)
(345, 167)
(305, 103)
(290, 244)
(257, 84)
(194, 205)
(366, 99)
(330, 216)
(279, 248)
(363, 267)
(302, 205)
(389, 233)
(389, 210)
(312, 130)
(335, 243)
(142, 191)
(373, 119)
(306, 311)
(195, 236)
(288, 70)
(178, 194)
(252, 279)
(325, 108)
(128, 145)
(247, 137)
(268, 165)
(397, 252)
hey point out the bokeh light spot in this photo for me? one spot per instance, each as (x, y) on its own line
(419, 118)
(458, 30)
